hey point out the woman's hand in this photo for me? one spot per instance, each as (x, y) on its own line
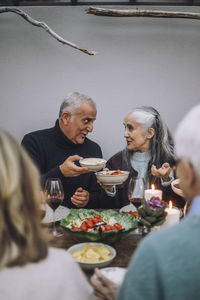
(104, 288)
(109, 188)
(162, 172)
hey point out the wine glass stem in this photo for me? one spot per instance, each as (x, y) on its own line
(54, 224)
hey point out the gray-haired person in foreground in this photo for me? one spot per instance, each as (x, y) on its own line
(56, 151)
(166, 265)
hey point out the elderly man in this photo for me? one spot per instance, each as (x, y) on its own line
(56, 150)
(166, 265)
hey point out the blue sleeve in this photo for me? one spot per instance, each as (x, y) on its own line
(142, 280)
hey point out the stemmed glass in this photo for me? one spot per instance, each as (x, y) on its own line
(54, 196)
(136, 190)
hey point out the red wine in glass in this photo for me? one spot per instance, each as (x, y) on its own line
(54, 202)
(136, 191)
(54, 196)
(136, 201)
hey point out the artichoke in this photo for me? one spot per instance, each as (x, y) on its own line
(152, 212)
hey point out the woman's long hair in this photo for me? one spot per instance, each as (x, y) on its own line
(162, 146)
(21, 238)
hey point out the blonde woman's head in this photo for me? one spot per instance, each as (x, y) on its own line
(21, 238)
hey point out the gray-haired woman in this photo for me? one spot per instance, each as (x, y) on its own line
(149, 154)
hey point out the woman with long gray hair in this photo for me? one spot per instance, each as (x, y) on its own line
(148, 154)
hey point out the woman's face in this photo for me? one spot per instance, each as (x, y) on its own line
(135, 137)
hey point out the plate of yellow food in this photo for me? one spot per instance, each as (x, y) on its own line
(92, 255)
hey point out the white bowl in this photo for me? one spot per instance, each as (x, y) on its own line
(93, 164)
(116, 274)
(92, 265)
(176, 189)
(106, 178)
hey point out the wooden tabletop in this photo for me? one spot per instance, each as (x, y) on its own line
(124, 248)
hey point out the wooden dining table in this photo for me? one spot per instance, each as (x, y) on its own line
(124, 247)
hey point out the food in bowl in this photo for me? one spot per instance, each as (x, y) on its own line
(93, 164)
(112, 177)
(94, 224)
(92, 253)
(112, 225)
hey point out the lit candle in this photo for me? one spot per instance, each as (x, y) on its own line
(148, 194)
(173, 215)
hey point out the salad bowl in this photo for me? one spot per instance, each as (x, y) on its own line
(84, 225)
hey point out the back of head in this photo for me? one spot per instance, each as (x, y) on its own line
(187, 138)
(72, 103)
(162, 142)
(21, 238)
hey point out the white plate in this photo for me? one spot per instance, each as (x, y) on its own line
(92, 265)
(60, 213)
(114, 273)
(129, 207)
(175, 189)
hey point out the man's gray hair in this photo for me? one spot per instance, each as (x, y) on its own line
(72, 103)
(187, 138)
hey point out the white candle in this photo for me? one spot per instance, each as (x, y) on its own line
(173, 215)
(148, 194)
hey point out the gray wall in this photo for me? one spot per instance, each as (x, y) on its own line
(140, 61)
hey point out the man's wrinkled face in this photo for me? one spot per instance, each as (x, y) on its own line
(79, 124)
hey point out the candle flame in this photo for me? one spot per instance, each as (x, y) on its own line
(153, 187)
(170, 204)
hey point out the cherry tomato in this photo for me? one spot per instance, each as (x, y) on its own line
(95, 220)
(118, 226)
(97, 216)
(76, 228)
(90, 224)
(108, 227)
(84, 227)
(89, 219)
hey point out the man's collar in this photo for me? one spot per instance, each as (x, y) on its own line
(61, 138)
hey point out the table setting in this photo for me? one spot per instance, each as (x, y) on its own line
(87, 233)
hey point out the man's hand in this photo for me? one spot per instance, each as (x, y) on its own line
(80, 197)
(104, 288)
(69, 169)
(163, 172)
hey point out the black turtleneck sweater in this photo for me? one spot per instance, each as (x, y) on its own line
(49, 148)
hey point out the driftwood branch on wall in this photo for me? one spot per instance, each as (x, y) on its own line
(141, 13)
(45, 27)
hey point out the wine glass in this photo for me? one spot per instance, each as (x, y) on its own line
(136, 190)
(54, 196)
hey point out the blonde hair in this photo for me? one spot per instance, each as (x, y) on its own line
(21, 238)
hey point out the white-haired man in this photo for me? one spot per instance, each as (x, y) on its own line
(166, 265)
(55, 150)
